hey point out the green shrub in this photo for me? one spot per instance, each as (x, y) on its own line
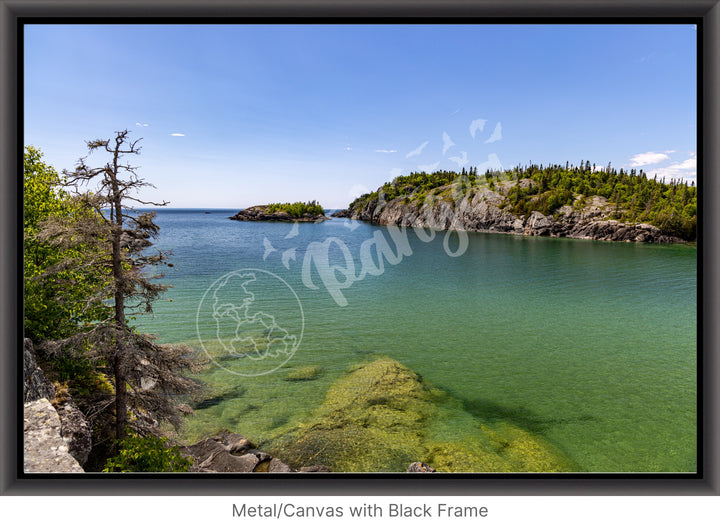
(297, 209)
(147, 454)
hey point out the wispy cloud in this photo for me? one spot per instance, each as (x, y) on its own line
(357, 190)
(477, 125)
(447, 142)
(685, 170)
(347, 148)
(418, 150)
(496, 134)
(141, 125)
(648, 158)
(386, 151)
(177, 134)
(428, 167)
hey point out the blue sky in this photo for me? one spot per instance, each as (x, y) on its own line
(237, 115)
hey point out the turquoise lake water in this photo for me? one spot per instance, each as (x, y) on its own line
(591, 345)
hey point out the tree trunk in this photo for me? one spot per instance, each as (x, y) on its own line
(118, 274)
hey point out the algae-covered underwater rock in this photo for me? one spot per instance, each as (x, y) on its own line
(382, 416)
(304, 373)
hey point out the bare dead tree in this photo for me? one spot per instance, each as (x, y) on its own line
(146, 376)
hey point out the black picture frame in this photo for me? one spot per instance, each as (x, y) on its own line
(13, 14)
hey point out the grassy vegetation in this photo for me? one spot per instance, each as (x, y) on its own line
(297, 209)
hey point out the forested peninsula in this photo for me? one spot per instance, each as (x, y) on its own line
(557, 200)
(310, 211)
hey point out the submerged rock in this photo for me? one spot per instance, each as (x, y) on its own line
(304, 373)
(382, 415)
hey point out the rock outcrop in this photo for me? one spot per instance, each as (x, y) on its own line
(486, 210)
(75, 429)
(44, 449)
(259, 213)
(228, 452)
(420, 467)
(35, 384)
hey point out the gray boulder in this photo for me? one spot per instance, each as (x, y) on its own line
(75, 430)
(45, 451)
(226, 452)
(35, 384)
(420, 467)
(277, 466)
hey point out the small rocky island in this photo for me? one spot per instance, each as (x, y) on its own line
(283, 212)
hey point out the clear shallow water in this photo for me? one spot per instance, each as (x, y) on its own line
(590, 344)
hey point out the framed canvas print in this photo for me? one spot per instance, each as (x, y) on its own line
(345, 251)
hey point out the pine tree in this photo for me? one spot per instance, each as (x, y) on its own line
(145, 375)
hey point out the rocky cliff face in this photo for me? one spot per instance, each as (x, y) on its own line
(484, 210)
(35, 385)
(68, 421)
(45, 451)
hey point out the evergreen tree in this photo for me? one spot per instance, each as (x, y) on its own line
(145, 376)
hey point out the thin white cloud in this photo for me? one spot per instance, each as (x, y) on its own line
(447, 142)
(428, 167)
(477, 125)
(496, 134)
(141, 125)
(418, 150)
(461, 161)
(685, 170)
(177, 134)
(348, 148)
(357, 190)
(648, 158)
(386, 151)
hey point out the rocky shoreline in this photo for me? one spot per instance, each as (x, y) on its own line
(485, 210)
(259, 213)
(58, 437)
(378, 416)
